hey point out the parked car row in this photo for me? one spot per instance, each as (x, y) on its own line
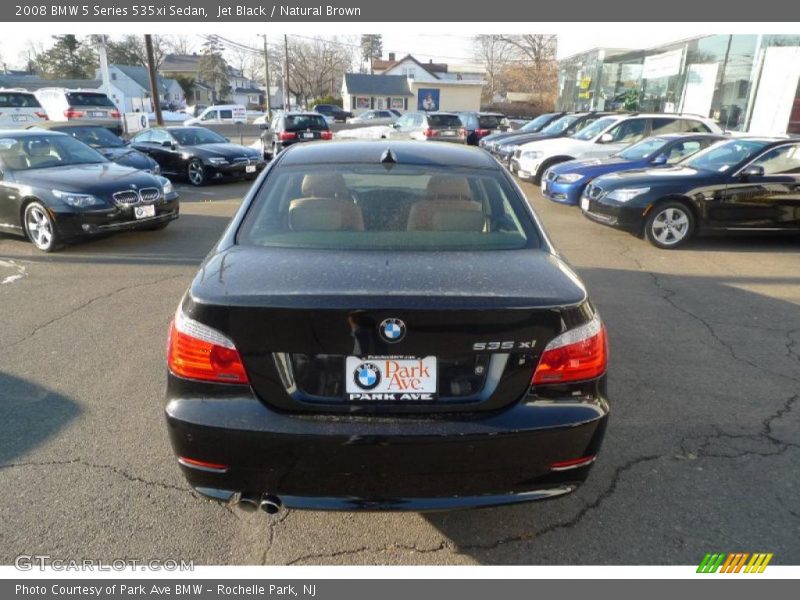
(20, 107)
(664, 177)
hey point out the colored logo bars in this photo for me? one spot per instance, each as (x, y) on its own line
(735, 562)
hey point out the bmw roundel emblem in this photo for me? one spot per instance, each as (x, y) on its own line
(367, 376)
(392, 330)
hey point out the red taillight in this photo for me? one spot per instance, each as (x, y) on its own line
(287, 135)
(115, 114)
(430, 132)
(202, 465)
(482, 132)
(575, 355)
(42, 115)
(327, 135)
(196, 351)
(575, 463)
(71, 113)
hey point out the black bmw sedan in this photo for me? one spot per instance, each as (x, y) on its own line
(385, 326)
(741, 185)
(198, 154)
(106, 143)
(55, 189)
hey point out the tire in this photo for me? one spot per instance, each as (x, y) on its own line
(196, 172)
(669, 225)
(267, 154)
(40, 227)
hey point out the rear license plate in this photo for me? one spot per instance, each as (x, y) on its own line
(584, 203)
(308, 136)
(450, 133)
(384, 378)
(97, 114)
(143, 212)
(250, 169)
(19, 118)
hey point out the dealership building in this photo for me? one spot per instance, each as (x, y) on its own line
(748, 83)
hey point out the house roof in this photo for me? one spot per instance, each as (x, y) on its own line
(431, 67)
(247, 90)
(181, 62)
(376, 85)
(33, 83)
(142, 77)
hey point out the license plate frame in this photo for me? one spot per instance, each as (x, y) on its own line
(584, 203)
(308, 136)
(395, 379)
(145, 211)
(96, 114)
(250, 169)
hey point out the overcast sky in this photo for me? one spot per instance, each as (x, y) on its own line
(449, 48)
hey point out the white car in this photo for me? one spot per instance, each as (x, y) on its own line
(373, 117)
(602, 138)
(19, 109)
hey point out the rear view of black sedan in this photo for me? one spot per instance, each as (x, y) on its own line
(55, 189)
(740, 185)
(385, 326)
(291, 128)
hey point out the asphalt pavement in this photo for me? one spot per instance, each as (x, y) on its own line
(701, 453)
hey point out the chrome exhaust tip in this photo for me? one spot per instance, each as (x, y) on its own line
(270, 504)
(248, 502)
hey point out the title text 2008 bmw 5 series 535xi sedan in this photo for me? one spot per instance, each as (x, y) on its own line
(385, 325)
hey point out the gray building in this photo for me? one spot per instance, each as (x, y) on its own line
(748, 83)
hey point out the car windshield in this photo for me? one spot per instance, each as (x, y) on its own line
(197, 136)
(594, 129)
(642, 149)
(367, 207)
(45, 151)
(721, 157)
(303, 122)
(444, 121)
(490, 121)
(96, 137)
(18, 100)
(89, 99)
(536, 124)
(560, 125)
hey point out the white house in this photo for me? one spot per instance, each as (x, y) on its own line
(129, 87)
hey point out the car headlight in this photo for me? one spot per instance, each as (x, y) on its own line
(166, 186)
(625, 194)
(217, 161)
(77, 200)
(156, 169)
(569, 178)
(532, 154)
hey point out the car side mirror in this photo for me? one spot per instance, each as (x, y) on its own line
(264, 126)
(396, 125)
(606, 138)
(166, 144)
(752, 171)
(661, 159)
(227, 139)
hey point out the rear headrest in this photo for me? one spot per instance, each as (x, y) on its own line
(324, 185)
(39, 148)
(325, 214)
(14, 160)
(446, 187)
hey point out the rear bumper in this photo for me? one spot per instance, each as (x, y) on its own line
(385, 463)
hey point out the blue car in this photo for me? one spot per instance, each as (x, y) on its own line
(566, 181)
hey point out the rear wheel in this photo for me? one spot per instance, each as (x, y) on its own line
(669, 225)
(196, 172)
(40, 227)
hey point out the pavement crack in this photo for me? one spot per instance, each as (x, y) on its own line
(443, 545)
(84, 463)
(88, 303)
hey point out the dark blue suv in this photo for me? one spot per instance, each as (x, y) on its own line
(565, 182)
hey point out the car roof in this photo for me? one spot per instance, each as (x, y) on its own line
(372, 151)
(65, 125)
(32, 132)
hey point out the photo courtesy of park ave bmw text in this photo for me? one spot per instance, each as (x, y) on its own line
(353, 299)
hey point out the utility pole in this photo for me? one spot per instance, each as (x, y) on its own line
(286, 101)
(151, 68)
(266, 76)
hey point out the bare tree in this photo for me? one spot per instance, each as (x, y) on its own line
(317, 66)
(494, 52)
(180, 44)
(539, 48)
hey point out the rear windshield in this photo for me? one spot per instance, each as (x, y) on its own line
(303, 122)
(18, 100)
(490, 121)
(367, 207)
(89, 99)
(444, 121)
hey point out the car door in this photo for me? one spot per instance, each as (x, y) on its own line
(765, 193)
(166, 151)
(9, 203)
